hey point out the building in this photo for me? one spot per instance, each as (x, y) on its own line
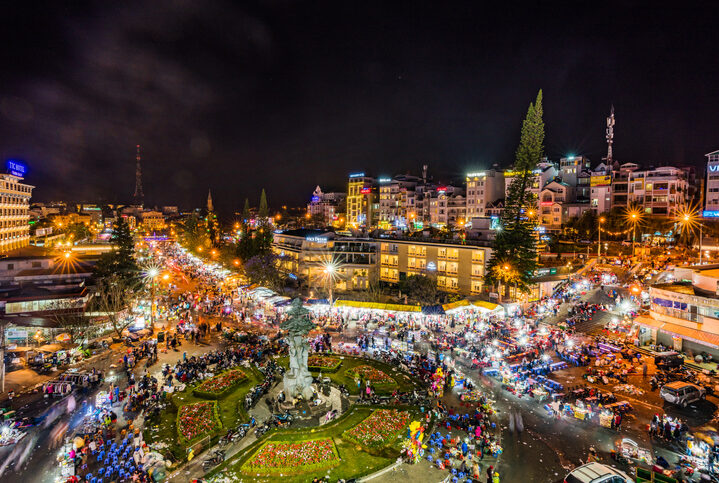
(684, 315)
(397, 200)
(543, 174)
(447, 206)
(306, 254)
(458, 268)
(483, 188)
(326, 206)
(711, 196)
(600, 182)
(620, 184)
(15, 208)
(571, 169)
(660, 191)
(152, 220)
(360, 200)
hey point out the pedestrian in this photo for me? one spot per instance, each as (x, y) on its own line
(490, 474)
(644, 370)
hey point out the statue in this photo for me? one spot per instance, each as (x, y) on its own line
(298, 379)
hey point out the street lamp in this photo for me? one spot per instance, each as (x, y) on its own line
(633, 216)
(688, 219)
(599, 241)
(152, 274)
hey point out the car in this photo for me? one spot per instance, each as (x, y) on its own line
(668, 360)
(596, 473)
(682, 393)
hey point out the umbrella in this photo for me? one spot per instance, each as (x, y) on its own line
(64, 337)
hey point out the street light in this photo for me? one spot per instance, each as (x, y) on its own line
(633, 216)
(152, 274)
(599, 241)
(688, 219)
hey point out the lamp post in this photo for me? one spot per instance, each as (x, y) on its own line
(329, 272)
(634, 234)
(152, 273)
(599, 241)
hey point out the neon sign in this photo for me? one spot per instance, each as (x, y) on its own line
(710, 214)
(385, 180)
(357, 175)
(315, 199)
(316, 239)
(16, 168)
(713, 168)
(366, 190)
(475, 175)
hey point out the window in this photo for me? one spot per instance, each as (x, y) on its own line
(11, 266)
(36, 264)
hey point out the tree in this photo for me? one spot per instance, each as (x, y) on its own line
(421, 288)
(69, 315)
(121, 260)
(262, 270)
(246, 212)
(515, 244)
(263, 211)
(113, 297)
(193, 232)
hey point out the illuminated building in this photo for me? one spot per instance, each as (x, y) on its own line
(14, 208)
(326, 206)
(483, 188)
(458, 268)
(360, 200)
(711, 199)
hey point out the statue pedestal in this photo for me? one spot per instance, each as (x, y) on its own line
(295, 385)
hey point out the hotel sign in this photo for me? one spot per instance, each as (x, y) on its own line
(600, 181)
(16, 168)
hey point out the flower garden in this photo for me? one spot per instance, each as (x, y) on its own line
(379, 429)
(216, 387)
(197, 420)
(293, 457)
(323, 363)
(371, 374)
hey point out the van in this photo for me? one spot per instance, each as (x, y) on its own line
(668, 360)
(597, 473)
(682, 393)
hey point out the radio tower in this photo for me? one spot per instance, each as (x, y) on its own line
(139, 195)
(610, 136)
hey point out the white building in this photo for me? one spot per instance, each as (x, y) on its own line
(397, 200)
(325, 205)
(483, 188)
(659, 191)
(14, 208)
(711, 200)
(544, 173)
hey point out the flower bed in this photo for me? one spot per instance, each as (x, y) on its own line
(379, 429)
(197, 420)
(216, 387)
(374, 376)
(291, 458)
(323, 363)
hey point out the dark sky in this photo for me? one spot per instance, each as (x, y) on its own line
(286, 95)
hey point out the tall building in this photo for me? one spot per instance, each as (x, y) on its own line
(600, 196)
(660, 191)
(483, 189)
(360, 200)
(543, 174)
(620, 184)
(14, 208)
(711, 198)
(396, 200)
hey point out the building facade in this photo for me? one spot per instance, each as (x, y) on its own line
(660, 191)
(458, 268)
(14, 212)
(360, 200)
(307, 254)
(326, 206)
(711, 196)
(483, 189)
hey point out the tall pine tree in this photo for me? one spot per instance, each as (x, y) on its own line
(514, 255)
(263, 233)
(121, 261)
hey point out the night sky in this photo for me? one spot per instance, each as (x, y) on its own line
(287, 95)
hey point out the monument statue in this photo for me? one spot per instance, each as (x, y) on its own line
(298, 379)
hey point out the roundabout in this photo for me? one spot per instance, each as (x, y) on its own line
(290, 414)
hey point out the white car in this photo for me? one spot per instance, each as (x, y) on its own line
(597, 473)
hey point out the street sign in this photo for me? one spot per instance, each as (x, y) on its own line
(16, 334)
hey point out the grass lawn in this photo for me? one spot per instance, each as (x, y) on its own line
(231, 412)
(404, 382)
(355, 462)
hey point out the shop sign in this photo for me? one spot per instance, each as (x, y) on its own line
(16, 168)
(13, 334)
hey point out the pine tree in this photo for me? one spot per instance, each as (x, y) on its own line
(514, 255)
(263, 210)
(121, 261)
(246, 212)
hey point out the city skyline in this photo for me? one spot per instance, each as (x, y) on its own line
(232, 100)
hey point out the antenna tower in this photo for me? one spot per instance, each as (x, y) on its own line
(139, 195)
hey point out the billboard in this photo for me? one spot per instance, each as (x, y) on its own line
(600, 180)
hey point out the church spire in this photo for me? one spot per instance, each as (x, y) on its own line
(210, 208)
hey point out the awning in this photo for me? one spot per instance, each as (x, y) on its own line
(456, 305)
(694, 335)
(487, 305)
(433, 310)
(378, 306)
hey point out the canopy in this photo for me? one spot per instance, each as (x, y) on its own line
(433, 310)
(489, 306)
(695, 335)
(378, 306)
(456, 305)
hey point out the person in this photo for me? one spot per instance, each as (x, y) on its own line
(490, 473)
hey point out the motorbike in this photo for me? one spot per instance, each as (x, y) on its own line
(217, 457)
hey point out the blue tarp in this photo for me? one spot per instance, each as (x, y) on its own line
(433, 310)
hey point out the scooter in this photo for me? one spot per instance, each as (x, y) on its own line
(217, 457)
